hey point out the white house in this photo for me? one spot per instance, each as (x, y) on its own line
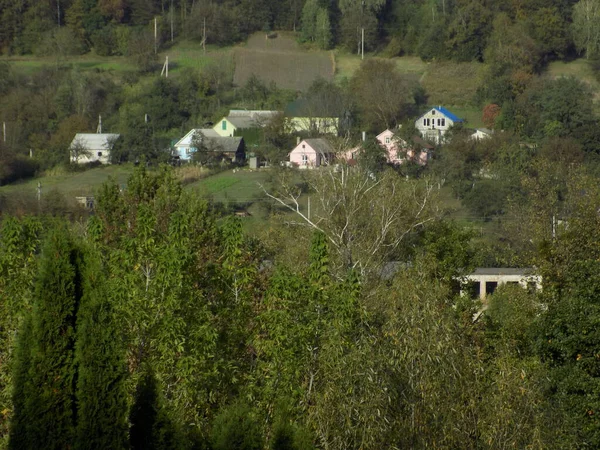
(435, 123)
(92, 147)
(481, 133)
(240, 119)
(311, 153)
(184, 147)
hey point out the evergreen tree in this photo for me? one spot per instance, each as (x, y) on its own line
(101, 395)
(44, 399)
(151, 428)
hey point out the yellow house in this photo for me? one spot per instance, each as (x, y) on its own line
(315, 125)
(241, 119)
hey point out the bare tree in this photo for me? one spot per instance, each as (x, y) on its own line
(365, 218)
(79, 150)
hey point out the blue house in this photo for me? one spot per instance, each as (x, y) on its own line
(227, 148)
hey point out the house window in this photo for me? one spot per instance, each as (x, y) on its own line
(99, 154)
(439, 122)
(304, 146)
(425, 122)
(387, 140)
(305, 160)
(443, 122)
(224, 125)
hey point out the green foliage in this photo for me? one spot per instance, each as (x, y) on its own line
(45, 415)
(379, 79)
(237, 427)
(99, 352)
(151, 427)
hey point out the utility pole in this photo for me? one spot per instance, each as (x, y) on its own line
(4, 131)
(155, 37)
(171, 20)
(362, 44)
(362, 30)
(204, 35)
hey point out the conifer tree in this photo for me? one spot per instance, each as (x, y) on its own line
(99, 351)
(44, 415)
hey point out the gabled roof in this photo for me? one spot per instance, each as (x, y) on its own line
(95, 141)
(423, 143)
(451, 116)
(320, 145)
(242, 118)
(186, 141)
(226, 144)
(383, 133)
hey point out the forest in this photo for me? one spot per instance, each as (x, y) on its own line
(159, 321)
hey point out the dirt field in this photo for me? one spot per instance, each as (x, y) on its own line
(282, 61)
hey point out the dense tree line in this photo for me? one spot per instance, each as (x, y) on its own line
(157, 326)
(459, 29)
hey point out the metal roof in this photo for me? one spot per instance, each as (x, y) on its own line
(448, 114)
(95, 141)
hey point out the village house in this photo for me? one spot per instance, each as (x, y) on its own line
(481, 133)
(92, 147)
(227, 147)
(435, 123)
(241, 119)
(311, 153)
(397, 150)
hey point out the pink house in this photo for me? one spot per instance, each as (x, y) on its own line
(392, 145)
(311, 153)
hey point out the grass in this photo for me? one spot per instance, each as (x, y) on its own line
(347, 63)
(282, 61)
(30, 64)
(451, 84)
(72, 184)
(190, 55)
(472, 114)
(228, 187)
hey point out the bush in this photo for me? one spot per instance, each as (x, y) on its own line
(236, 427)
(16, 167)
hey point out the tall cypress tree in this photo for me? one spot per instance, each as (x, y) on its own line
(101, 396)
(44, 414)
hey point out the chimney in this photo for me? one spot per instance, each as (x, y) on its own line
(99, 129)
(297, 140)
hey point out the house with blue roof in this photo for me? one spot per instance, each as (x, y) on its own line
(435, 123)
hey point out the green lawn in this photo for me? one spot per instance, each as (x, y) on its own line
(29, 64)
(347, 63)
(188, 54)
(183, 55)
(72, 184)
(472, 115)
(239, 187)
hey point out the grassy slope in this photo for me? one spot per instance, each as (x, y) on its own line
(72, 184)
